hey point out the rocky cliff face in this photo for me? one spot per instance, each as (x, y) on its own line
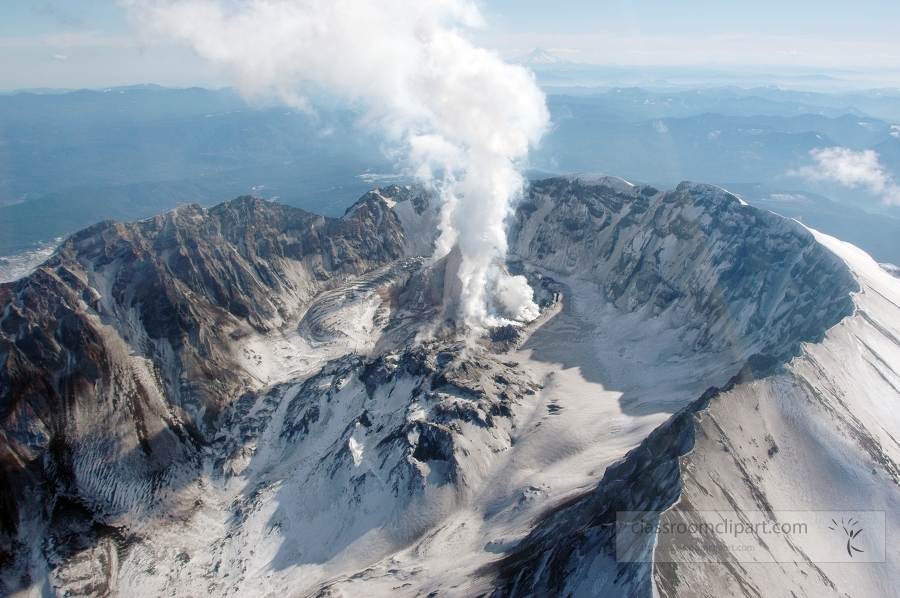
(731, 277)
(733, 283)
(252, 398)
(117, 360)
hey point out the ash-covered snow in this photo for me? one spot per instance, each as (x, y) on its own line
(358, 447)
(818, 436)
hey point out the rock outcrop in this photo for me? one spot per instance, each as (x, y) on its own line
(251, 398)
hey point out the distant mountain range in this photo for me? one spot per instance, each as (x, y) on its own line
(559, 75)
(73, 159)
(85, 153)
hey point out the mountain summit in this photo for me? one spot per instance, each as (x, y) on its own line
(251, 399)
(540, 57)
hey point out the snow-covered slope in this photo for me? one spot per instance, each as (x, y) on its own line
(891, 269)
(252, 400)
(819, 436)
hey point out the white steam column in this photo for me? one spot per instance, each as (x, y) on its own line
(465, 117)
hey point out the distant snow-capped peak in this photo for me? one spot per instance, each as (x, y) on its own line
(539, 56)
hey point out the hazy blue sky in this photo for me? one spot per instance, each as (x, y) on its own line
(90, 43)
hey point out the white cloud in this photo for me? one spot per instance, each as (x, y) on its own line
(464, 117)
(59, 57)
(852, 169)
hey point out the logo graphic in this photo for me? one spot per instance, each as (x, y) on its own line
(851, 529)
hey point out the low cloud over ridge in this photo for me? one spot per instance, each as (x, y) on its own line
(852, 169)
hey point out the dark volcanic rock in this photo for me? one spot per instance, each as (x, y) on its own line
(115, 355)
(120, 372)
(734, 272)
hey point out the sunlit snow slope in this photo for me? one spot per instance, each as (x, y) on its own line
(819, 436)
(252, 400)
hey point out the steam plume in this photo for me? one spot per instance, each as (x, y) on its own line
(465, 117)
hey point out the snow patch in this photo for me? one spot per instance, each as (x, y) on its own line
(16, 266)
(356, 450)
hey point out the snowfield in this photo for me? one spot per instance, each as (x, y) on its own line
(348, 442)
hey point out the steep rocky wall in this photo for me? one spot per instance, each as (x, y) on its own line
(745, 281)
(115, 355)
(735, 278)
(123, 375)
